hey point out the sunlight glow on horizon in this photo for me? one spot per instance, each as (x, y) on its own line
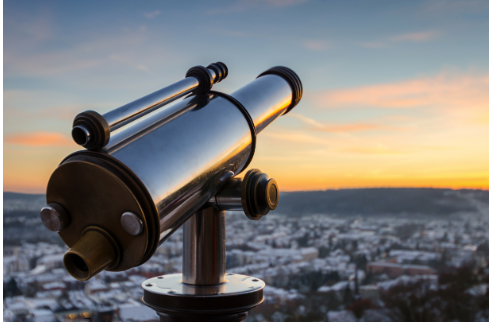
(397, 96)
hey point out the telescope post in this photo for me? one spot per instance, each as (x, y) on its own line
(204, 248)
(204, 292)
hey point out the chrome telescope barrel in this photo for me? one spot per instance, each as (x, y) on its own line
(154, 174)
(92, 130)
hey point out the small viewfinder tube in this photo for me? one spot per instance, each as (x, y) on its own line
(92, 130)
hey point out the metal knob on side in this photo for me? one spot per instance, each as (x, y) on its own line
(256, 194)
(131, 223)
(54, 217)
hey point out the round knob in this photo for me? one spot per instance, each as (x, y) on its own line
(131, 223)
(259, 194)
(54, 217)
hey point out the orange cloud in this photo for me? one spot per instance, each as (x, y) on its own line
(41, 139)
(444, 90)
(355, 127)
(378, 150)
(297, 137)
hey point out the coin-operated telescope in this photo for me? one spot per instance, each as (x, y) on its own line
(168, 165)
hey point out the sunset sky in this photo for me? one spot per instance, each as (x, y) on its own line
(395, 92)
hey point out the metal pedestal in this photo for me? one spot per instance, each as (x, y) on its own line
(204, 292)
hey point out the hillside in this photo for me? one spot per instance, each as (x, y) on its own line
(382, 201)
(370, 201)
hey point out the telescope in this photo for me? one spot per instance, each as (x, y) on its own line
(150, 167)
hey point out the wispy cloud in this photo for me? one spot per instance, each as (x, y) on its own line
(152, 14)
(230, 33)
(296, 137)
(416, 36)
(18, 106)
(244, 5)
(39, 139)
(385, 149)
(129, 63)
(307, 120)
(446, 90)
(421, 36)
(341, 128)
(27, 56)
(372, 44)
(281, 3)
(32, 30)
(447, 7)
(378, 149)
(316, 45)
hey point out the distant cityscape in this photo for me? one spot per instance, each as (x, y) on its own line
(317, 267)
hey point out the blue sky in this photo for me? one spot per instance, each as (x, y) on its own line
(63, 57)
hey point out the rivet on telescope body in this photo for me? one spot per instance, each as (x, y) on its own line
(54, 217)
(131, 223)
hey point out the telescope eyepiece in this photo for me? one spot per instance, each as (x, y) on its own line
(94, 251)
(205, 77)
(91, 130)
(221, 71)
(81, 135)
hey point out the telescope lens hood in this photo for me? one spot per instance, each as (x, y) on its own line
(291, 77)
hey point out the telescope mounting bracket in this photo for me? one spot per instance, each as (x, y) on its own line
(204, 291)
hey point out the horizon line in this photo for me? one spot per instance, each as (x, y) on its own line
(332, 189)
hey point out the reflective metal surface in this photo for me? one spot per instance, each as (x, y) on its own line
(180, 153)
(147, 124)
(204, 248)
(131, 223)
(129, 112)
(255, 194)
(172, 284)
(142, 106)
(227, 302)
(181, 160)
(229, 198)
(265, 98)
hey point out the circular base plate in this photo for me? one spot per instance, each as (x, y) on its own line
(168, 294)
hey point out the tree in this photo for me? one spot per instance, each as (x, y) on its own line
(361, 262)
(358, 307)
(347, 295)
(10, 289)
(460, 295)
